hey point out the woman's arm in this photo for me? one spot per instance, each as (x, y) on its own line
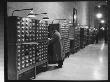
(53, 39)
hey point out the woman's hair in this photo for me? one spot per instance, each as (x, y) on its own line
(55, 31)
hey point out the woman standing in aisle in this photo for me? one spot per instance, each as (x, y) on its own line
(57, 48)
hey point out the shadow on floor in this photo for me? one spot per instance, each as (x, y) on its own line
(50, 68)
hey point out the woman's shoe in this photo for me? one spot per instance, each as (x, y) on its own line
(59, 66)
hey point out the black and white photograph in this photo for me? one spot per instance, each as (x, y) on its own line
(56, 40)
(1, 41)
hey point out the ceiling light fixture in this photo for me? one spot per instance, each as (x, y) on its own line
(21, 10)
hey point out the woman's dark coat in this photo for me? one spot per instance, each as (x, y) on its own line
(57, 47)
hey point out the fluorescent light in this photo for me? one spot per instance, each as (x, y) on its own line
(31, 14)
(99, 6)
(102, 21)
(45, 18)
(102, 28)
(99, 15)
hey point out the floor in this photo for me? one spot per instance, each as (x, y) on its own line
(1, 56)
(1, 69)
(90, 63)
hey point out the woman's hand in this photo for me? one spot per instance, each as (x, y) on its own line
(49, 39)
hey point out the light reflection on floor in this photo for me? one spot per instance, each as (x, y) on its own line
(1, 65)
(90, 63)
(1, 57)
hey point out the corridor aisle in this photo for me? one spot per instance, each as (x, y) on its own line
(1, 68)
(90, 63)
(1, 61)
(1, 52)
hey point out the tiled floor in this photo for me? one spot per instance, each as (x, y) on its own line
(90, 63)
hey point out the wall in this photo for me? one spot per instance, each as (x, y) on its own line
(91, 15)
(54, 9)
(96, 10)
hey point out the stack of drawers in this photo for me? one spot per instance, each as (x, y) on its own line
(81, 37)
(91, 35)
(25, 34)
(77, 39)
(65, 35)
(29, 37)
(42, 55)
(85, 36)
(71, 31)
(41, 37)
(66, 45)
(41, 32)
(26, 56)
(88, 36)
(26, 30)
